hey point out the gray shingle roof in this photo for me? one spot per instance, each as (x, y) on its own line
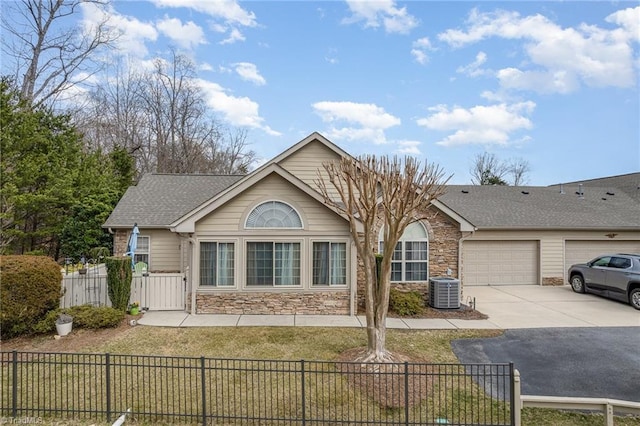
(628, 183)
(160, 199)
(493, 207)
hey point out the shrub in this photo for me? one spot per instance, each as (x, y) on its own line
(119, 281)
(84, 316)
(30, 287)
(406, 304)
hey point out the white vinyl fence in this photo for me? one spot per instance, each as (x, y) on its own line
(156, 292)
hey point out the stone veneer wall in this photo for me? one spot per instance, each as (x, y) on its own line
(552, 281)
(120, 241)
(274, 303)
(444, 237)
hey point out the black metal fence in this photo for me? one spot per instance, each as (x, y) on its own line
(253, 392)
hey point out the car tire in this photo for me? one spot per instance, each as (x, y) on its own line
(577, 283)
(634, 298)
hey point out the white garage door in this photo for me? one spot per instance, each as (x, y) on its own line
(583, 251)
(500, 262)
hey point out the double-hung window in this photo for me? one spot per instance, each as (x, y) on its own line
(142, 250)
(217, 264)
(410, 262)
(273, 263)
(329, 263)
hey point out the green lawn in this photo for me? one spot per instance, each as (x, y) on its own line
(288, 343)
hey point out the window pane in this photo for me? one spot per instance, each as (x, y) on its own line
(259, 263)
(320, 263)
(397, 253)
(416, 250)
(329, 263)
(396, 271)
(338, 263)
(226, 264)
(416, 271)
(274, 214)
(208, 256)
(287, 264)
(142, 244)
(141, 258)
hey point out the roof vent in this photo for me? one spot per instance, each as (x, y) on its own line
(464, 191)
(562, 188)
(525, 192)
(611, 193)
(604, 199)
(580, 191)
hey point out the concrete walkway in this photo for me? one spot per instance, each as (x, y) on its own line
(508, 307)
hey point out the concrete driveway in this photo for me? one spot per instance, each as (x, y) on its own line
(514, 307)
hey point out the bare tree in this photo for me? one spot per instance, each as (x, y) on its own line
(488, 170)
(519, 169)
(371, 191)
(162, 119)
(47, 55)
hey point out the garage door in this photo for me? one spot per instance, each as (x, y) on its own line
(583, 251)
(500, 262)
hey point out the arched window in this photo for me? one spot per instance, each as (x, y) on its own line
(274, 214)
(411, 256)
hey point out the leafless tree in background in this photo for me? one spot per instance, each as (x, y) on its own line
(47, 54)
(487, 169)
(162, 119)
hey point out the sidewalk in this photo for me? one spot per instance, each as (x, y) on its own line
(508, 307)
(183, 319)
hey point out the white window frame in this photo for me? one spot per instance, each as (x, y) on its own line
(273, 242)
(235, 263)
(403, 261)
(293, 209)
(311, 263)
(142, 253)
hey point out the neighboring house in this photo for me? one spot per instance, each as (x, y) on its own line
(267, 243)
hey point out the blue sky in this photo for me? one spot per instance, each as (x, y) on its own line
(555, 83)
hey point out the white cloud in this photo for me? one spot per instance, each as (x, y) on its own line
(564, 57)
(204, 66)
(408, 148)
(133, 33)
(234, 35)
(474, 69)
(420, 48)
(239, 111)
(228, 10)
(367, 121)
(381, 13)
(186, 35)
(249, 72)
(482, 125)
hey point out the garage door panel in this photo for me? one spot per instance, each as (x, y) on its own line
(500, 262)
(582, 251)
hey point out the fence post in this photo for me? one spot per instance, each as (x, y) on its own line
(304, 413)
(204, 392)
(14, 390)
(406, 393)
(107, 364)
(516, 398)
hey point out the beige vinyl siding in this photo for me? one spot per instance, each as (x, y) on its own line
(164, 253)
(305, 163)
(231, 217)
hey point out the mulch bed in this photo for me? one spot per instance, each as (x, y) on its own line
(464, 312)
(385, 382)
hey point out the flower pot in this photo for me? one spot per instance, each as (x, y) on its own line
(82, 271)
(134, 311)
(64, 329)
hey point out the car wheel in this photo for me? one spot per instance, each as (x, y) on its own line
(634, 298)
(577, 283)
